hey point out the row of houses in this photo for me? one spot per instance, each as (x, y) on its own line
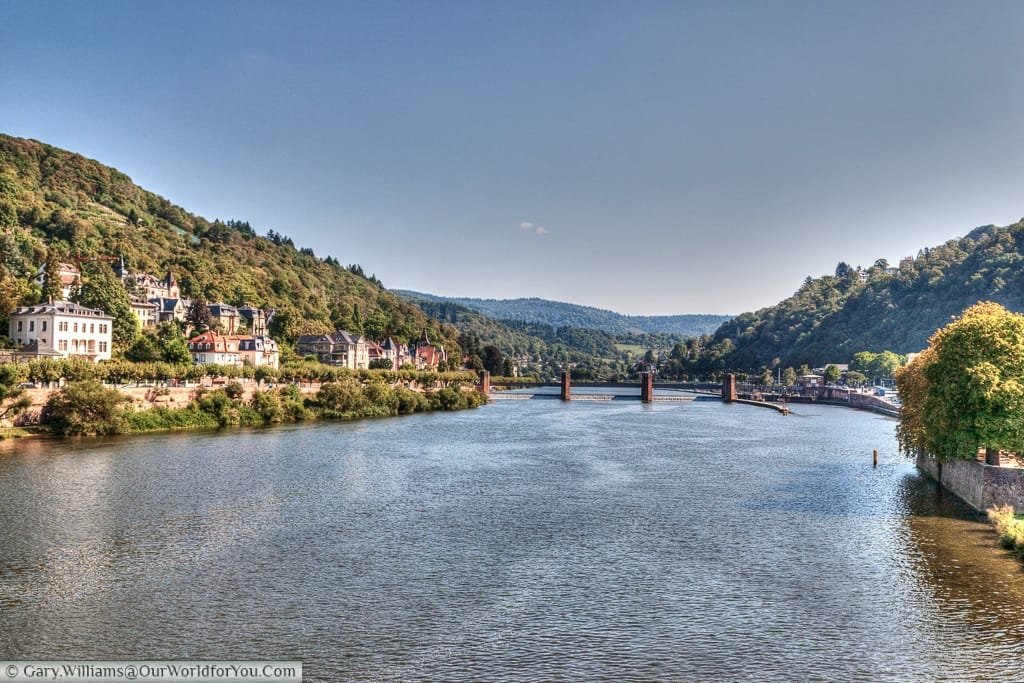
(157, 300)
(63, 329)
(355, 352)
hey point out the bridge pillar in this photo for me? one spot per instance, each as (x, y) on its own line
(729, 387)
(647, 387)
(485, 382)
(566, 386)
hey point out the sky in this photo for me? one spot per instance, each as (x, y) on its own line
(645, 157)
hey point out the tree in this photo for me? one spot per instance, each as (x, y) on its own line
(103, 291)
(855, 379)
(913, 385)
(376, 325)
(493, 360)
(968, 392)
(832, 374)
(789, 377)
(12, 396)
(198, 315)
(877, 366)
(172, 344)
(143, 350)
(85, 407)
(52, 287)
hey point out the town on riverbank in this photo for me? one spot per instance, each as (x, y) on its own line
(190, 363)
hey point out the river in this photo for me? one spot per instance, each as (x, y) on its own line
(524, 540)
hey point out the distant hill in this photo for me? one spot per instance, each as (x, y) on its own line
(544, 350)
(55, 202)
(560, 314)
(882, 307)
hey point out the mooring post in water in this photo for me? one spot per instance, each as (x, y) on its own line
(874, 459)
(566, 385)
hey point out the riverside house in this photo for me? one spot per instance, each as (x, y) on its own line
(339, 348)
(211, 348)
(62, 329)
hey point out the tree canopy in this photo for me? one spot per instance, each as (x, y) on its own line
(967, 391)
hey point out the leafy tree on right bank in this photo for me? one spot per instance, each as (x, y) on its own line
(967, 391)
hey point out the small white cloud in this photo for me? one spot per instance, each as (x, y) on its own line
(527, 226)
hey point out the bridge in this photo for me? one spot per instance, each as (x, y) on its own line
(728, 392)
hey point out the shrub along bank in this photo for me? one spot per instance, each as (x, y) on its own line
(86, 407)
(1010, 528)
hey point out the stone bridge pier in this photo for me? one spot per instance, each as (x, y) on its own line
(729, 387)
(647, 387)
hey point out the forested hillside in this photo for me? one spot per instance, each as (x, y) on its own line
(57, 202)
(830, 318)
(534, 348)
(560, 314)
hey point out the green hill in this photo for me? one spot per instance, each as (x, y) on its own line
(830, 318)
(54, 201)
(561, 314)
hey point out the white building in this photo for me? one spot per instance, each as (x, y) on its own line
(62, 329)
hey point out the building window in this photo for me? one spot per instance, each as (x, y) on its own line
(103, 347)
(76, 328)
(31, 325)
(21, 323)
(92, 328)
(44, 326)
(103, 329)
(62, 345)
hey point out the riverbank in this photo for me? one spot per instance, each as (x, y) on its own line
(88, 408)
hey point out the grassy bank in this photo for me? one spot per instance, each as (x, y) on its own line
(88, 408)
(1010, 527)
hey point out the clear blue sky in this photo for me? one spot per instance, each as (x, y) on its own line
(616, 154)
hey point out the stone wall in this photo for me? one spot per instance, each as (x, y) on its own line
(979, 485)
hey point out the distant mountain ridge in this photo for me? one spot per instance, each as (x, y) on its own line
(562, 314)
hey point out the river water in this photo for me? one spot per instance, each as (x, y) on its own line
(525, 540)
